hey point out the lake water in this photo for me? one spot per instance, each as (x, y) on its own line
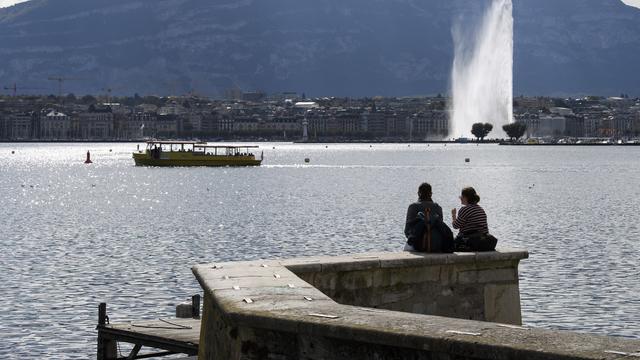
(75, 235)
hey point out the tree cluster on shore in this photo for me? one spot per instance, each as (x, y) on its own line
(515, 130)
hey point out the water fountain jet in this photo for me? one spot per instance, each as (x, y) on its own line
(482, 74)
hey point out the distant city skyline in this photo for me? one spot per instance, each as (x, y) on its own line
(5, 3)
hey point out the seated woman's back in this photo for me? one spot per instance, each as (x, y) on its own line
(471, 219)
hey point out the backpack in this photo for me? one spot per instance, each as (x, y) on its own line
(475, 243)
(430, 234)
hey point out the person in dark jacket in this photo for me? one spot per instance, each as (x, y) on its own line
(424, 202)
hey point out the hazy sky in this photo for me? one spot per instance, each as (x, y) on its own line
(4, 3)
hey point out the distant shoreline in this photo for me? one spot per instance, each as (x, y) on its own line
(250, 140)
(595, 144)
(435, 142)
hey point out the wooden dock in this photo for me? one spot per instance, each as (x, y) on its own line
(162, 337)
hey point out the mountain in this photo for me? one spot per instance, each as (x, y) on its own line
(321, 47)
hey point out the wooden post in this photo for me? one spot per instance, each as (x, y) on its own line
(195, 306)
(102, 314)
(107, 348)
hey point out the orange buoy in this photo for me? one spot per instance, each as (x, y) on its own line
(88, 161)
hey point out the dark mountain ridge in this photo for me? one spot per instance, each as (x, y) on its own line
(321, 47)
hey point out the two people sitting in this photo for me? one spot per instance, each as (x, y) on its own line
(426, 231)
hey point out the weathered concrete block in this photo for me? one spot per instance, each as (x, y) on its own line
(394, 276)
(502, 303)
(487, 276)
(387, 299)
(308, 277)
(325, 282)
(317, 322)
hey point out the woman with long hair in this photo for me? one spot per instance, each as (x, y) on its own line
(471, 219)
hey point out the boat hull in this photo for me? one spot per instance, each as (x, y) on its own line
(188, 160)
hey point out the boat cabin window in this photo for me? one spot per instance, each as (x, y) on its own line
(199, 149)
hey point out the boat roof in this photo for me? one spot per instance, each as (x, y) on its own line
(169, 142)
(199, 144)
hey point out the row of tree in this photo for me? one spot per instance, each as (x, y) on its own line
(514, 130)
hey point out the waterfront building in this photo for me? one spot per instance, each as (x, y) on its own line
(287, 123)
(375, 123)
(397, 125)
(606, 127)
(328, 118)
(54, 125)
(317, 123)
(246, 125)
(429, 125)
(134, 126)
(345, 122)
(192, 123)
(21, 126)
(594, 117)
(209, 123)
(225, 122)
(96, 124)
(166, 126)
(530, 120)
(544, 125)
(575, 126)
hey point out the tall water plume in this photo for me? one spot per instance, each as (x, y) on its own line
(482, 75)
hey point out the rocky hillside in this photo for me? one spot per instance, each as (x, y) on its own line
(321, 47)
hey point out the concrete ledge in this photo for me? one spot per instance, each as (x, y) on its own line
(264, 309)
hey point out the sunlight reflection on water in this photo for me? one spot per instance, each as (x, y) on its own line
(75, 235)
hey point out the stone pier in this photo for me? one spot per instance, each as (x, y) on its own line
(381, 306)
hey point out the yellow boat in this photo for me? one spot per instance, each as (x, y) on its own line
(192, 153)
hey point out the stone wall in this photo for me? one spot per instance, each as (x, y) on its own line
(323, 308)
(481, 286)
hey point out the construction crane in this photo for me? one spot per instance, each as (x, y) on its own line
(61, 80)
(14, 88)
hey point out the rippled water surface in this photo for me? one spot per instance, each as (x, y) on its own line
(75, 235)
